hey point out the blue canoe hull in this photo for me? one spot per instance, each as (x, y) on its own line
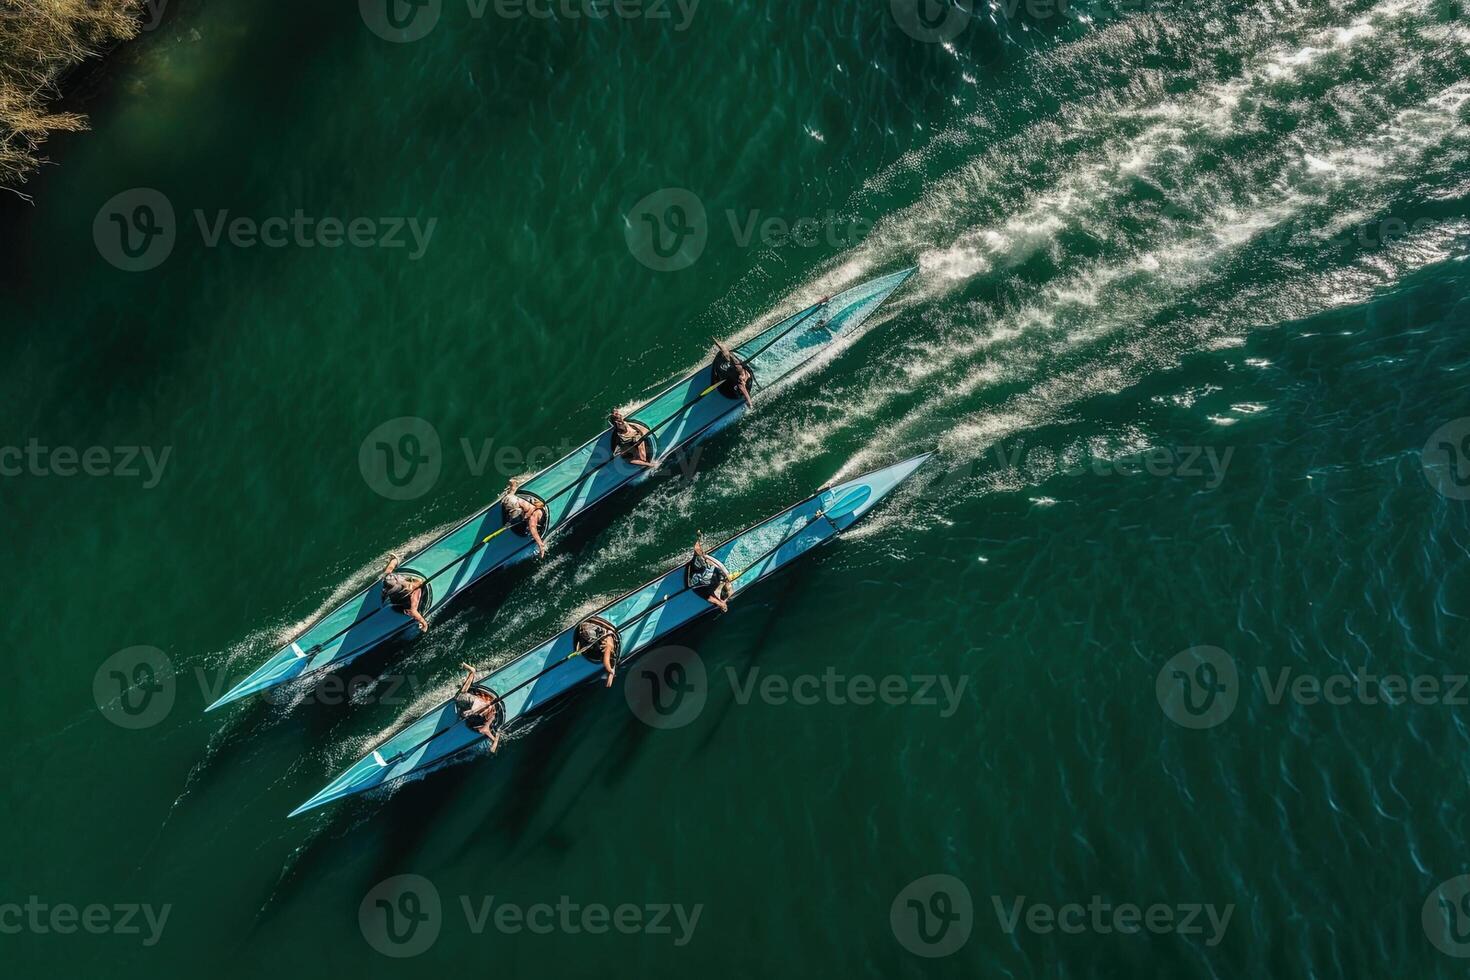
(678, 417)
(546, 673)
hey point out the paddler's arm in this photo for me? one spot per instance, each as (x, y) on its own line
(640, 455)
(413, 608)
(393, 561)
(533, 525)
(494, 711)
(469, 678)
(607, 660)
(720, 598)
(743, 383)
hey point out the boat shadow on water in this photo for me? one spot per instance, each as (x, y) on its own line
(310, 707)
(528, 797)
(497, 800)
(716, 713)
(336, 842)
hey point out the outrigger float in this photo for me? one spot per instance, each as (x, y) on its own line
(543, 675)
(683, 414)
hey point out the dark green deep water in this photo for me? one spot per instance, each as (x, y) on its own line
(1193, 300)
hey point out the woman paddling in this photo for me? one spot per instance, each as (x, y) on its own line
(597, 640)
(731, 372)
(404, 592)
(529, 513)
(479, 707)
(629, 440)
(708, 578)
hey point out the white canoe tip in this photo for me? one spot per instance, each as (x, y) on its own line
(239, 692)
(229, 698)
(900, 471)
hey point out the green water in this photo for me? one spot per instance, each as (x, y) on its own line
(1232, 235)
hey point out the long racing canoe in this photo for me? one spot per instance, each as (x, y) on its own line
(546, 673)
(683, 414)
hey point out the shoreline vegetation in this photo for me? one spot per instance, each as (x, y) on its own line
(40, 41)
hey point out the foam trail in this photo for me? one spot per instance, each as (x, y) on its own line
(1115, 294)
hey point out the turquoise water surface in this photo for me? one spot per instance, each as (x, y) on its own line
(1189, 335)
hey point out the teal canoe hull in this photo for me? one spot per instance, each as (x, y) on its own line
(678, 417)
(546, 673)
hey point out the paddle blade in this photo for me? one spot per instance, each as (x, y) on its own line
(851, 500)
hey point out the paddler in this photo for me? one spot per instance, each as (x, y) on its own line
(731, 372)
(404, 592)
(598, 642)
(530, 514)
(708, 578)
(479, 707)
(629, 441)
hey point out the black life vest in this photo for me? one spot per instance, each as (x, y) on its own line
(398, 590)
(625, 442)
(728, 369)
